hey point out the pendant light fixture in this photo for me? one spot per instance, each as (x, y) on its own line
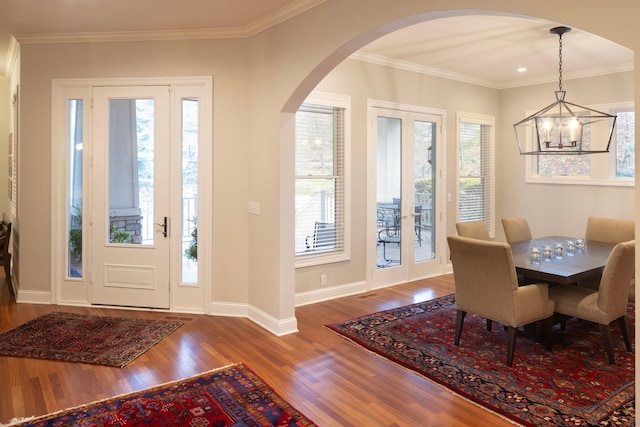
(564, 127)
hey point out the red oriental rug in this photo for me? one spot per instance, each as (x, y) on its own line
(232, 396)
(573, 385)
(70, 337)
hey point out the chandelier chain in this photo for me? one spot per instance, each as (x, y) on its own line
(560, 63)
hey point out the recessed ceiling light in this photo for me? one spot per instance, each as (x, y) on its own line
(522, 69)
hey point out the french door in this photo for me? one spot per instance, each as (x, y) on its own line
(131, 207)
(407, 207)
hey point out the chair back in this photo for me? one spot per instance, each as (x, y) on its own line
(610, 230)
(614, 285)
(473, 229)
(5, 237)
(516, 229)
(324, 236)
(484, 276)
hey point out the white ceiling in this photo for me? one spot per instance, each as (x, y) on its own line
(481, 49)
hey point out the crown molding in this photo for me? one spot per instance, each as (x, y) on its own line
(271, 20)
(436, 72)
(422, 69)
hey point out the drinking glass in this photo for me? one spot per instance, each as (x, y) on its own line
(571, 247)
(535, 255)
(580, 245)
(547, 253)
(559, 250)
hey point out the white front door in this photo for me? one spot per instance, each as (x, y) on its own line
(131, 205)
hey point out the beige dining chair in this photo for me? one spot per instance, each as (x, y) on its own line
(516, 229)
(610, 230)
(473, 229)
(486, 285)
(606, 304)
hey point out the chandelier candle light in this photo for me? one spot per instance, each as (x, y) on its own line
(564, 127)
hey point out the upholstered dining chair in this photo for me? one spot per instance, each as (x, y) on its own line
(473, 229)
(610, 230)
(486, 285)
(516, 229)
(606, 304)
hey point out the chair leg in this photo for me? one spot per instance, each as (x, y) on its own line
(511, 344)
(547, 331)
(460, 315)
(489, 325)
(606, 337)
(624, 327)
(7, 273)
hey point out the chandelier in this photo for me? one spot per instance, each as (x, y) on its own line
(564, 127)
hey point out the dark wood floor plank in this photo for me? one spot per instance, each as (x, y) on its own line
(331, 380)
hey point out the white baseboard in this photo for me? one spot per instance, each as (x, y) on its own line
(278, 327)
(325, 294)
(34, 297)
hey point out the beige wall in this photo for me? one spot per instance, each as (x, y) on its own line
(225, 60)
(255, 80)
(365, 81)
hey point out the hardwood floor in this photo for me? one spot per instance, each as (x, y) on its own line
(331, 380)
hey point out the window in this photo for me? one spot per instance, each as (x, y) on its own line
(74, 184)
(476, 183)
(615, 168)
(624, 145)
(321, 210)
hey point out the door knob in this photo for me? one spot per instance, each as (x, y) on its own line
(164, 226)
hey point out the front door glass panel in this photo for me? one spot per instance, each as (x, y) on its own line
(189, 191)
(131, 172)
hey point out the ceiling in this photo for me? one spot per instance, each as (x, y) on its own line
(485, 49)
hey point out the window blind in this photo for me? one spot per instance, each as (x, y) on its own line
(475, 173)
(320, 170)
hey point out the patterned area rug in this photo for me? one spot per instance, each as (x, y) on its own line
(70, 337)
(231, 396)
(572, 386)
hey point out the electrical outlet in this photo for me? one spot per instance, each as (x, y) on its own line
(323, 280)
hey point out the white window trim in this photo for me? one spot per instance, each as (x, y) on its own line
(482, 119)
(339, 101)
(531, 177)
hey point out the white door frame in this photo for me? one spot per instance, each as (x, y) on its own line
(188, 298)
(378, 278)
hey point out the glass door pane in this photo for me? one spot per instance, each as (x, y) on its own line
(189, 191)
(388, 192)
(74, 203)
(424, 179)
(131, 171)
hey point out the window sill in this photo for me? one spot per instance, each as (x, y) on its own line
(317, 259)
(563, 180)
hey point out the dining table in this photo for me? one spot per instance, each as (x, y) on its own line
(567, 269)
